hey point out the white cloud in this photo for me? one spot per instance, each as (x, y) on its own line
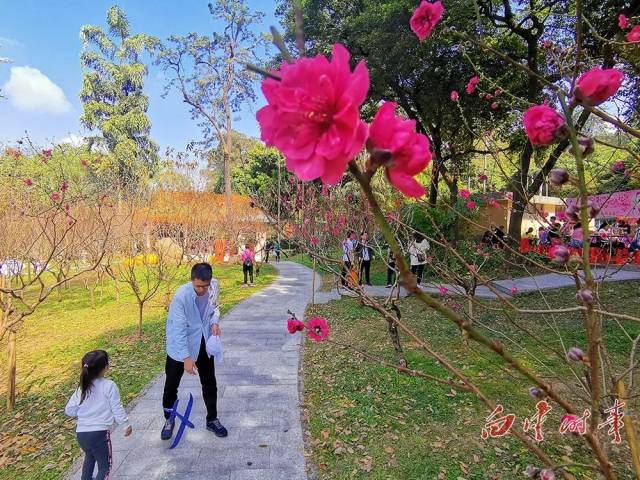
(30, 89)
(74, 140)
(9, 42)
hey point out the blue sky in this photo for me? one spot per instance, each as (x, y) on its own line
(44, 35)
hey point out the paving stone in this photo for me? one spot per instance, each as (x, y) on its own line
(221, 459)
(271, 474)
(146, 461)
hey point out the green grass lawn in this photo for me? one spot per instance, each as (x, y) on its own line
(369, 422)
(37, 441)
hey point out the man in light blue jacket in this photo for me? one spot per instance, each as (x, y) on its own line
(193, 317)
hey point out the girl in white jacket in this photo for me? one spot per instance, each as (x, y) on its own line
(96, 404)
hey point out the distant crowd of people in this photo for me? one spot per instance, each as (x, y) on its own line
(357, 255)
(609, 235)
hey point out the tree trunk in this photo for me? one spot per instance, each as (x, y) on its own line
(433, 186)
(395, 336)
(11, 370)
(395, 339)
(453, 199)
(140, 308)
(92, 293)
(518, 205)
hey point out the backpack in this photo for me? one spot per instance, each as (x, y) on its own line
(421, 257)
(248, 262)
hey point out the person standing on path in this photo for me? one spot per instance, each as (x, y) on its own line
(365, 253)
(247, 257)
(193, 317)
(267, 250)
(347, 258)
(277, 249)
(96, 404)
(391, 268)
(418, 255)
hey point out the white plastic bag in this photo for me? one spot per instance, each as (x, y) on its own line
(214, 348)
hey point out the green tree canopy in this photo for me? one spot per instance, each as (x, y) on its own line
(112, 96)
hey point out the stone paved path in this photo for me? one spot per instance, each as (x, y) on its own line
(547, 281)
(257, 401)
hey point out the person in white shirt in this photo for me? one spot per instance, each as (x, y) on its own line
(348, 244)
(418, 255)
(96, 404)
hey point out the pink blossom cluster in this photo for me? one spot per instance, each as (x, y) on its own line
(633, 36)
(544, 126)
(317, 328)
(313, 117)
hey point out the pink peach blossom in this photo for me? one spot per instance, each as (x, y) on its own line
(634, 35)
(55, 196)
(317, 329)
(28, 182)
(294, 325)
(543, 125)
(471, 204)
(46, 154)
(454, 96)
(464, 193)
(597, 85)
(314, 240)
(425, 18)
(473, 83)
(618, 167)
(410, 151)
(443, 290)
(547, 474)
(623, 21)
(483, 177)
(313, 114)
(64, 186)
(514, 291)
(494, 105)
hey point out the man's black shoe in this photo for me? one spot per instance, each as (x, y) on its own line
(167, 430)
(216, 427)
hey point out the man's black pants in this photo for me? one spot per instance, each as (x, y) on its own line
(207, 372)
(365, 269)
(417, 270)
(246, 269)
(391, 274)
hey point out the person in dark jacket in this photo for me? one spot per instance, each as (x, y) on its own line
(365, 255)
(391, 269)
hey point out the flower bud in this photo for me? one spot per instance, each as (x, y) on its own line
(535, 392)
(618, 167)
(575, 354)
(547, 474)
(594, 209)
(573, 213)
(585, 296)
(585, 144)
(558, 177)
(531, 471)
(559, 254)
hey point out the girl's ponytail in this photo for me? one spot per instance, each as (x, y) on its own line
(93, 363)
